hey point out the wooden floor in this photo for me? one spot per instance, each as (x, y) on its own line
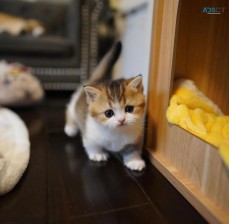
(62, 186)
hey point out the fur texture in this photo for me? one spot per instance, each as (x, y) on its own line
(109, 115)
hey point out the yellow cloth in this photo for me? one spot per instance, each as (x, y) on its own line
(196, 114)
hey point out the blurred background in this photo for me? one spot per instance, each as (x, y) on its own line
(63, 40)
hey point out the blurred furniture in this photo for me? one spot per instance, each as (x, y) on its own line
(65, 54)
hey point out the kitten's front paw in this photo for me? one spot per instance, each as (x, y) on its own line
(136, 164)
(70, 131)
(98, 157)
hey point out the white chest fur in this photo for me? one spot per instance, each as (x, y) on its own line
(112, 140)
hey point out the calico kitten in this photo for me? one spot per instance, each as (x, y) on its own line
(109, 114)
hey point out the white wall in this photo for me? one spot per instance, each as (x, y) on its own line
(136, 43)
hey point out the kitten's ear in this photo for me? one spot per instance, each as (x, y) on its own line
(91, 92)
(136, 83)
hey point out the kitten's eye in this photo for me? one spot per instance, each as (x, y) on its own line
(109, 113)
(129, 109)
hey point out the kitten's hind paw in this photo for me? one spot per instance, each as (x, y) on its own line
(98, 157)
(70, 130)
(136, 164)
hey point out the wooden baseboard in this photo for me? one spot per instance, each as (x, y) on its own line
(201, 203)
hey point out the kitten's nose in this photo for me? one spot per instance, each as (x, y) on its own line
(121, 120)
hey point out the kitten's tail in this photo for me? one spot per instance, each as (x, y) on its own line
(106, 64)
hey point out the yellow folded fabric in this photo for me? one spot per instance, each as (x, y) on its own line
(192, 110)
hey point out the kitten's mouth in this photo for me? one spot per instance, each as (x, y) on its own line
(122, 125)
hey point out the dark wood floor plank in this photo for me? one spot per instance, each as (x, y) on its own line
(54, 110)
(170, 203)
(135, 215)
(27, 202)
(79, 187)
